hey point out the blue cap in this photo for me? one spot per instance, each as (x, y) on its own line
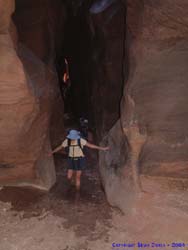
(73, 135)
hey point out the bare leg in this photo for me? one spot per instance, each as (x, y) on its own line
(78, 176)
(69, 174)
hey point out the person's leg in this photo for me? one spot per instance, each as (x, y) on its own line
(70, 169)
(78, 177)
(69, 174)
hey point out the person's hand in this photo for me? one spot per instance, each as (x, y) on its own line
(50, 154)
(105, 148)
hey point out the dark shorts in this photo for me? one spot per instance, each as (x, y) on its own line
(76, 163)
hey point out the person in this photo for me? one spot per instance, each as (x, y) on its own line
(84, 127)
(76, 157)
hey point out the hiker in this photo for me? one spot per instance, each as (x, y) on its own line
(76, 157)
(84, 127)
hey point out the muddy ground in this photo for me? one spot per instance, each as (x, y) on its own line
(63, 219)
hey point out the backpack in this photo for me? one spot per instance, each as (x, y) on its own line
(69, 145)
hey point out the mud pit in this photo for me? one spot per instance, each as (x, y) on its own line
(63, 220)
(62, 212)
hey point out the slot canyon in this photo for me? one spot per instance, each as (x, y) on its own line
(126, 68)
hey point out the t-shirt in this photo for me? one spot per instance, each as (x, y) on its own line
(76, 150)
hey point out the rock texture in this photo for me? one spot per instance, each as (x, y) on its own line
(95, 48)
(28, 94)
(154, 105)
(108, 29)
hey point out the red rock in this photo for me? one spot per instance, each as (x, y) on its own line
(29, 93)
(154, 107)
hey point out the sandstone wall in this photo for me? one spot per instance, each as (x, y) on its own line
(154, 105)
(108, 30)
(29, 93)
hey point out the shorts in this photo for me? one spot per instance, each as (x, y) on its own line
(76, 163)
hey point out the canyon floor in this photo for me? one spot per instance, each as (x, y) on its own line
(64, 219)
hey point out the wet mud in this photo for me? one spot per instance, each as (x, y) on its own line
(80, 210)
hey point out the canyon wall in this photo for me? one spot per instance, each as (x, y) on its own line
(153, 119)
(29, 91)
(108, 31)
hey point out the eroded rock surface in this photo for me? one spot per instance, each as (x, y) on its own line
(96, 49)
(154, 106)
(28, 95)
(108, 28)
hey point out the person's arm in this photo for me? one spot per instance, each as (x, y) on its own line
(93, 146)
(56, 149)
